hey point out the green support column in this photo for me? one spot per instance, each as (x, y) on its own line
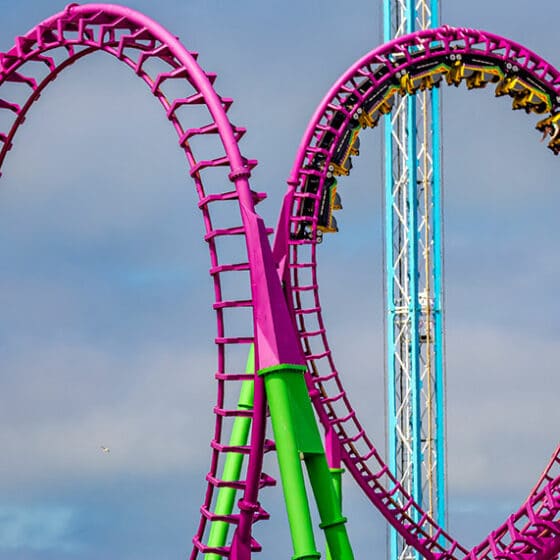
(336, 476)
(290, 437)
(297, 438)
(328, 503)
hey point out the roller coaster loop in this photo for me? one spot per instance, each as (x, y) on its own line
(160, 60)
(358, 99)
(284, 299)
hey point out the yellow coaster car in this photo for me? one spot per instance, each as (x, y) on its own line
(551, 127)
(525, 95)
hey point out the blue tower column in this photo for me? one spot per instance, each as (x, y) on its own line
(440, 512)
(441, 516)
(414, 302)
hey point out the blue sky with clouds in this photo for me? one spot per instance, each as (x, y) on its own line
(106, 326)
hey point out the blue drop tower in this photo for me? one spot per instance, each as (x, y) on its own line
(414, 306)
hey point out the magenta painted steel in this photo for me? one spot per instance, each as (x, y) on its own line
(551, 473)
(135, 39)
(533, 531)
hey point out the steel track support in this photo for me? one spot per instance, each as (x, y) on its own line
(233, 464)
(298, 441)
(413, 285)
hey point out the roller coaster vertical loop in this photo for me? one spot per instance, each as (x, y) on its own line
(369, 90)
(160, 60)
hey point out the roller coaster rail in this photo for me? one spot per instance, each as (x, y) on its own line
(365, 93)
(290, 363)
(35, 60)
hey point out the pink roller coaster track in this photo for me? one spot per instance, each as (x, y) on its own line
(136, 40)
(533, 530)
(222, 181)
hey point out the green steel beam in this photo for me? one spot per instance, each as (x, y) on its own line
(298, 439)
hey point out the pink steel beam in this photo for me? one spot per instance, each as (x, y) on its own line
(532, 532)
(131, 37)
(136, 39)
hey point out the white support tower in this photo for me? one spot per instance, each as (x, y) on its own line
(413, 256)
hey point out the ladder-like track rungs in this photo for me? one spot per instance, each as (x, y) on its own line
(106, 28)
(348, 439)
(206, 163)
(269, 445)
(307, 288)
(180, 72)
(236, 230)
(205, 549)
(211, 128)
(163, 52)
(229, 268)
(231, 195)
(234, 376)
(232, 518)
(334, 398)
(233, 304)
(264, 482)
(318, 356)
(24, 44)
(222, 448)
(223, 550)
(16, 77)
(326, 377)
(219, 483)
(229, 413)
(301, 265)
(14, 107)
(47, 60)
(142, 34)
(309, 311)
(234, 340)
(309, 334)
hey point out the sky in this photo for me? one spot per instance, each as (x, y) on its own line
(106, 326)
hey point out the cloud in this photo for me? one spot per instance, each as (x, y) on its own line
(62, 403)
(37, 528)
(98, 169)
(501, 387)
(100, 345)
